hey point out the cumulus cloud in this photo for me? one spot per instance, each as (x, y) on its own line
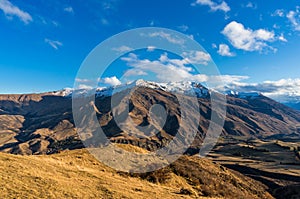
(11, 10)
(294, 18)
(283, 90)
(224, 50)
(213, 5)
(246, 38)
(196, 57)
(166, 69)
(113, 81)
(134, 72)
(90, 83)
(54, 44)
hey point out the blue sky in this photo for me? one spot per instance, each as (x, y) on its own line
(43, 43)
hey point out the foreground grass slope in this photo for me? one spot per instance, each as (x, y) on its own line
(76, 174)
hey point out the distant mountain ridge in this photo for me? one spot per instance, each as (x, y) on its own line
(43, 123)
(183, 87)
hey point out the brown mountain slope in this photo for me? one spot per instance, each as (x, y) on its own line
(76, 174)
(43, 123)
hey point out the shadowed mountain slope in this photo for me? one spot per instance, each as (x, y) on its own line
(43, 123)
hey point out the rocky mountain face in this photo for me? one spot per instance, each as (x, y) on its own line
(43, 123)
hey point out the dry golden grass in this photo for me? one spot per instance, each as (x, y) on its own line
(132, 148)
(77, 174)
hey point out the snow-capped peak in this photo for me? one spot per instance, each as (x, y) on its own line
(184, 87)
(64, 92)
(243, 95)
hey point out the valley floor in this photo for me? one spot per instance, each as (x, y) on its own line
(275, 163)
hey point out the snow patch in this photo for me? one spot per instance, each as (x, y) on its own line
(185, 87)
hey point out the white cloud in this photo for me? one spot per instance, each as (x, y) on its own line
(86, 84)
(294, 18)
(196, 57)
(220, 83)
(213, 5)
(247, 39)
(282, 38)
(166, 69)
(224, 50)
(264, 35)
(167, 36)
(11, 10)
(69, 9)
(151, 48)
(283, 90)
(135, 72)
(231, 78)
(113, 81)
(122, 49)
(54, 44)
(84, 87)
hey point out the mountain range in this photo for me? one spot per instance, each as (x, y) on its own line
(185, 87)
(43, 123)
